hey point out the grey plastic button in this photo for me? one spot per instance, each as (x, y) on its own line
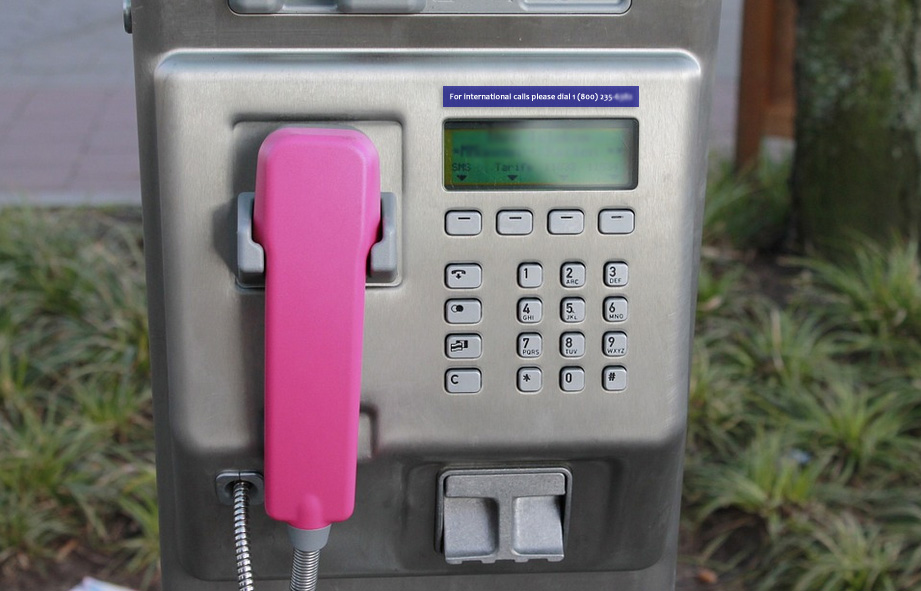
(530, 310)
(529, 379)
(530, 275)
(615, 344)
(615, 274)
(616, 221)
(572, 344)
(466, 276)
(463, 381)
(615, 309)
(530, 345)
(514, 223)
(566, 221)
(572, 379)
(463, 311)
(572, 275)
(572, 310)
(463, 346)
(463, 223)
(614, 379)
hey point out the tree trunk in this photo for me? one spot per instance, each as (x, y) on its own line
(857, 166)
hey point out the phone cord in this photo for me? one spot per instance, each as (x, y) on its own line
(304, 571)
(241, 535)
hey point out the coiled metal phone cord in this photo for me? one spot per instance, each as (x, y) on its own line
(241, 535)
(304, 571)
(306, 564)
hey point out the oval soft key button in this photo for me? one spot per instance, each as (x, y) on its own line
(463, 276)
(463, 311)
(463, 381)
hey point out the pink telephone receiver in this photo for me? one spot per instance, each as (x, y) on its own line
(316, 214)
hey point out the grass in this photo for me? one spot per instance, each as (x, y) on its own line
(802, 469)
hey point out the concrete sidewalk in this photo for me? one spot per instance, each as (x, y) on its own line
(68, 131)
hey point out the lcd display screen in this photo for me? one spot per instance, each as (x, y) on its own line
(540, 154)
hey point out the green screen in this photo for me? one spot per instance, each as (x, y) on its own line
(518, 154)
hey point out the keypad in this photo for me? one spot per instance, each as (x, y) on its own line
(570, 338)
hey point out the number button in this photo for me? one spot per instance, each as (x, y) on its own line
(615, 309)
(572, 344)
(615, 274)
(529, 379)
(615, 344)
(530, 275)
(572, 310)
(530, 310)
(572, 275)
(530, 345)
(614, 379)
(467, 276)
(572, 379)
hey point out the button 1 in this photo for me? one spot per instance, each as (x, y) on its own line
(615, 274)
(463, 311)
(614, 379)
(572, 310)
(466, 276)
(572, 275)
(615, 344)
(463, 381)
(529, 379)
(572, 344)
(616, 221)
(530, 310)
(615, 309)
(530, 345)
(530, 275)
(463, 223)
(514, 223)
(572, 379)
(566, 221)
(463, 346)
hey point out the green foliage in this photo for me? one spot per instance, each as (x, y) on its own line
(75, 406)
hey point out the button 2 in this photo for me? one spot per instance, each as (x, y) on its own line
(465, 276)
(572, 275)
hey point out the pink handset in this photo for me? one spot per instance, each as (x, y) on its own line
(316, 214)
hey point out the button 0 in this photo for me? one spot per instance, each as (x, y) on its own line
(616, 221)
(530, 275)
(514, 222)
(467, 276)
(572, 275)
(614, 379)
(615, 309)
(463, 381)
(566, 221)
(529, 379)
(572, 379)
(463, 346)
(463, 223)
(615, 274)
(463, 311)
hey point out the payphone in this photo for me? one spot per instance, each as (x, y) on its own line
(424, 270)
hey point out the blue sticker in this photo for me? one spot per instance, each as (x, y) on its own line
(541, 96)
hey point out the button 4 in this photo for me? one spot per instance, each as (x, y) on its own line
(530, 310)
